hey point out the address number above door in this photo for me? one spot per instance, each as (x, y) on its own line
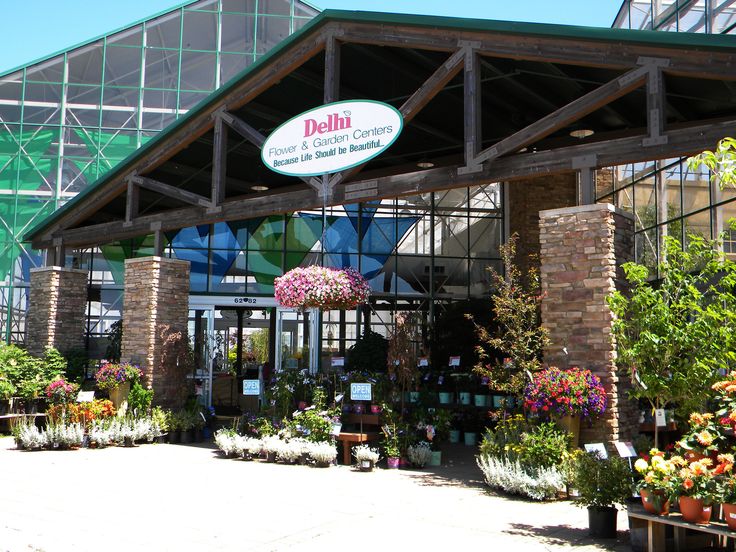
(332, 137)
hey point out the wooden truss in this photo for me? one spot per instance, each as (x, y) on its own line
(638, 66)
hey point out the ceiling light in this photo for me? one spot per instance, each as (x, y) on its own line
(581, 133)
(425, 163)
(259, 188)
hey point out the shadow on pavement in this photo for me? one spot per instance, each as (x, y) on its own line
(564, 535)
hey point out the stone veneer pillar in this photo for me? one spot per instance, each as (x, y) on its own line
(56, 309)
(156, 295)
(582, 250)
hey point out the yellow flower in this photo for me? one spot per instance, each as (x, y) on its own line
(696, 419)
(656, 461)
(641, 465)
(649, 477)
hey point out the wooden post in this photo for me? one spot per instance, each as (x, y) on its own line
(472, 113)
(219, 162)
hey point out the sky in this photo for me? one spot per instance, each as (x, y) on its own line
(33, 29)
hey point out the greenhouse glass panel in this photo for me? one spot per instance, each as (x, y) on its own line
(164, 31)
(200, 31)
(122, 66)
(240, 6)
(85, 65)
(237, 33)
(271, 31)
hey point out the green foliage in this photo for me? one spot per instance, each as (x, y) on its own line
(115, 340)
(721, 162)
(519, 335)
(161, 418)
(77, 361)
(139, 399)
(601, 482)
(7, 389)
(532, 446)
(29, 375)
(368, 353)
(674, 337)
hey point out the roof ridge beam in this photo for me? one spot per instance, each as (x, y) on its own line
(574, 111)
(171, 191)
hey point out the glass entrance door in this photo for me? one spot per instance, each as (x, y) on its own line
(297, 340)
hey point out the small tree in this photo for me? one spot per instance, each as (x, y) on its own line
(518, 334)
(402, 352)
(674, 337)
(721, 162)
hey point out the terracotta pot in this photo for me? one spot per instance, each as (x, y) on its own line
(729, 515)
(655, 502)
(694, 511)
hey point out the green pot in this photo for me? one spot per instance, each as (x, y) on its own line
(445, 398)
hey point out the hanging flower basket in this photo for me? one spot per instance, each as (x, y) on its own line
(321, 288)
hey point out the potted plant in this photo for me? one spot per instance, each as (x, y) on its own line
(602, 483)
(7, 389)
(160, 418)
(186, 425)
(174, 423)
(366, 457)
(727, 491)
(321, 287)
(116, 379)
(323, 454)
(704, 438)
(419, 454)
(657, 482)
(391, 444)
(61, 392)
(566, 395)
(696, 489)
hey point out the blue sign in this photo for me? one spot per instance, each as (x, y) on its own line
(360, 392)
(252, 387)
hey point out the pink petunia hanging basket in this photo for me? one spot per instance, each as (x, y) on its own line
(322, 288)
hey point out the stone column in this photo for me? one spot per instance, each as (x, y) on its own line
(56, 309)
(155, 316)
(582, 250)
(529, 196)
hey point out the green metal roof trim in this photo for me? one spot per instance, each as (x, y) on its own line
(653, 38)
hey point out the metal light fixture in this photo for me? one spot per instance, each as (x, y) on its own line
(425, 163)
(581, 133)
(259, 188)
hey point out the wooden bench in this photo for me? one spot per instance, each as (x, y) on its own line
(654, 526)
(362, 428)
(10, 420)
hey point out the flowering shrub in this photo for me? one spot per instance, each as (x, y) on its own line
(704, 436)
(697, 480)
(657, 472)
(110, 375)
(566, 392)
(322, 288)
(61, 392)
(84, 413)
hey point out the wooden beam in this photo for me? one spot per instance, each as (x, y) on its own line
(132, 200)
(472, 111)
(682, 141)
(219, 163)
(656, 106)
(433, 85)
(257, 139)
(418, 100)
(332, 70)
(262, 79)
(241, 127)
(158, 243)
(565, 115)
(171, 191)
(614, 54)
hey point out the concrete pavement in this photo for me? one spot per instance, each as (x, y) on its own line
(181, 498)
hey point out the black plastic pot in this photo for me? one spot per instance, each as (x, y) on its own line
(174, 437)
(602, 522)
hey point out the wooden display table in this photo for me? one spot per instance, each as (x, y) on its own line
(363, 428)
(655, 530)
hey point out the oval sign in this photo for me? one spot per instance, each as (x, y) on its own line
(332, 137)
